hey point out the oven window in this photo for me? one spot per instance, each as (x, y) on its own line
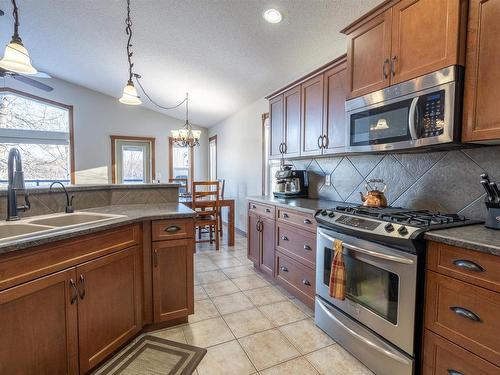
(374, 288)
(381, 125)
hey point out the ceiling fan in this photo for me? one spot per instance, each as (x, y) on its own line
(28, 80)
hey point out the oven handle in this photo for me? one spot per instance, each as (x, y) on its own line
(411, 118)
(370, 252)
(360, 337)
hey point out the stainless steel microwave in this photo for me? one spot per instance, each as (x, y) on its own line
(421, 112)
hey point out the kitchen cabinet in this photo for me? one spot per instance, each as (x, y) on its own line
(312, 116)
(402, 40)
(253, 238)
(260, 241)
(109, 305)
(38, 326)
(481, 118)
(173, 273)
(276, 115)
(291, 99)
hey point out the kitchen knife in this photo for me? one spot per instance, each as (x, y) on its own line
(489, 190)
(496, 192)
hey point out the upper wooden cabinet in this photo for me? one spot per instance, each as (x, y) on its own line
(291, 101)
(401, 40)
(481, 121)
(312, 116)
(276, 115)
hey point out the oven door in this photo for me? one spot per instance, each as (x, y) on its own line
(380, 286)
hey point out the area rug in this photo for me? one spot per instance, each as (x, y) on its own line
(151, 355)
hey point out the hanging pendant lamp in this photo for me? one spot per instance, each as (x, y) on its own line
(186, 136)
(16, 57)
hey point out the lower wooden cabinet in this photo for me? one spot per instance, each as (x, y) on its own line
(253, 238)
(260, 240)
(109, 305)
(38, 326)
(173, 273)
(296, 278)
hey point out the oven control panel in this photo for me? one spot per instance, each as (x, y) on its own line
(432, 114)
(358, 222)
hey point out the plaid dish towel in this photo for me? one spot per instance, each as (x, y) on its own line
(337, 276)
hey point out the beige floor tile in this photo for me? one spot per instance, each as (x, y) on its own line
(219, 255)
(306, 336)
(209, 277)
(204, 309)
(173, 334)
(221, 288)
(297, 366)
(247, 322)
(232, 302)
(244, 260)
(199, 293)
(333, 360)
(228, 358)
(302, 306)
(207, 332)
(283, 312)
(227, 262)
(284, 291)
(250, 282)
(240, 271)
(265, 295)
(268, 348)
(204, 265)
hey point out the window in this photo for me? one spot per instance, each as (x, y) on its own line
(133, 160)
(181, 163)
(269, 167)
(42, 130)
(212, 149)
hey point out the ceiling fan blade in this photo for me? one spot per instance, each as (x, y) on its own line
(38, 75)
(32, 82)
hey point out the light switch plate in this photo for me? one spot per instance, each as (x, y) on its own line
(328, 180)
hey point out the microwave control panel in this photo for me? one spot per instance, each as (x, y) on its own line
(432, 114)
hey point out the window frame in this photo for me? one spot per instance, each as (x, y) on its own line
(213, 138)
(67, 107)
(131, 138)
(171, 163)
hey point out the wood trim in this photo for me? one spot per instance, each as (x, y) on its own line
(70, 124)
(115, 138)
(171, 163)
(379, 9)
(320, 70)
(265, 153)
(147, 280)
(214, 137)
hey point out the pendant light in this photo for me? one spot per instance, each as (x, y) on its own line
(130, 95)
(186, 136)
(16, 57)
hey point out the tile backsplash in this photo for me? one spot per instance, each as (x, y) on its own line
(446, 181)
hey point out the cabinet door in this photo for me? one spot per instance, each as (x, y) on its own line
(38, 325)
(425, 37)
(267, 246)
(334, 107)
(312, 116)
(173, 279)
(109, 306)
(291, 100)
(253, 238)
(482, 91)
(276, 116)
(368, 54)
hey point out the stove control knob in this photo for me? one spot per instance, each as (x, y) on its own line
(389, 228)
(402, 230)
(324, 212)
(331, 214)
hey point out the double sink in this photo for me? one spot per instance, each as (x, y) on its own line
(10, 230)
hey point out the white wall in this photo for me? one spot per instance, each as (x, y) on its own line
(97, 116)
(239, 156)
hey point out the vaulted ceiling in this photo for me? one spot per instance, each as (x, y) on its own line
(220, 51)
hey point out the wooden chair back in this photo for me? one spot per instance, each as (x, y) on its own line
(206, 196)
(181, 181)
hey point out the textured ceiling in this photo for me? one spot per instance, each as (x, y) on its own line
(221, 51)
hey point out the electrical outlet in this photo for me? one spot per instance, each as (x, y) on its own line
(328, 180)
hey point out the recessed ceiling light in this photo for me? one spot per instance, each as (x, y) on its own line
(272, 16)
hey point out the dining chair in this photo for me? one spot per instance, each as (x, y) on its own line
(181, 181)
(222, 183)
(205, 202)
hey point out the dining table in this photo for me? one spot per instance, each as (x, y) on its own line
(187, 200)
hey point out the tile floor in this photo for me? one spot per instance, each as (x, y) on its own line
(250, 325)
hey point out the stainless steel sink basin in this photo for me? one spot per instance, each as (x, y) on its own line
(16, 230)
(65, 220)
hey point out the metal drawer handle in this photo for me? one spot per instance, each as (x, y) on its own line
(155, 258)
(253, 206)
(172, 229)
(74, 291)
(306, 282)
(284, 238)
(81, 290)
(307, 247)
(285, 215)
(465, 313)
(268, 210)
(284, 269)
(319, 140)
(384, 72)
(307, 221)
(454, 372)
(468, 265)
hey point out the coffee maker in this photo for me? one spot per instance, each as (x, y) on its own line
(291, 183)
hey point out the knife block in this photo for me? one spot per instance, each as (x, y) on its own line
(493, 219)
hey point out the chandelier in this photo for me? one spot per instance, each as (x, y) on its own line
(184, 137)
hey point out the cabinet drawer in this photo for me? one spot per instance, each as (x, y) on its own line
(465, 314)
(297, 244)
(467, 265)
(443, 357)
(300, 219)
(172, 229)
(298, 278)
(261, 209)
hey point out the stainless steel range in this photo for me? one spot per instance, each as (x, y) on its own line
(383, 255)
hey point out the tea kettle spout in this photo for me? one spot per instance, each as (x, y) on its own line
(363, 198)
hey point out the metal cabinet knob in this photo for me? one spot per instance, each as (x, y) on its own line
(285, 215)
(384, 72)
(307, 247)
(81, 290)
(284, 238)
(268, 210)
(468, 265)
(454, 372)
(284, 269)
(306, 282)
(307, 221)
(74, 291)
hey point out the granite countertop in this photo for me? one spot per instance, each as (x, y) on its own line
(474, 237)
(131, 214)
(300, 204)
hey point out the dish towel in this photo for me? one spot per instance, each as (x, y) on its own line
(337, 275)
